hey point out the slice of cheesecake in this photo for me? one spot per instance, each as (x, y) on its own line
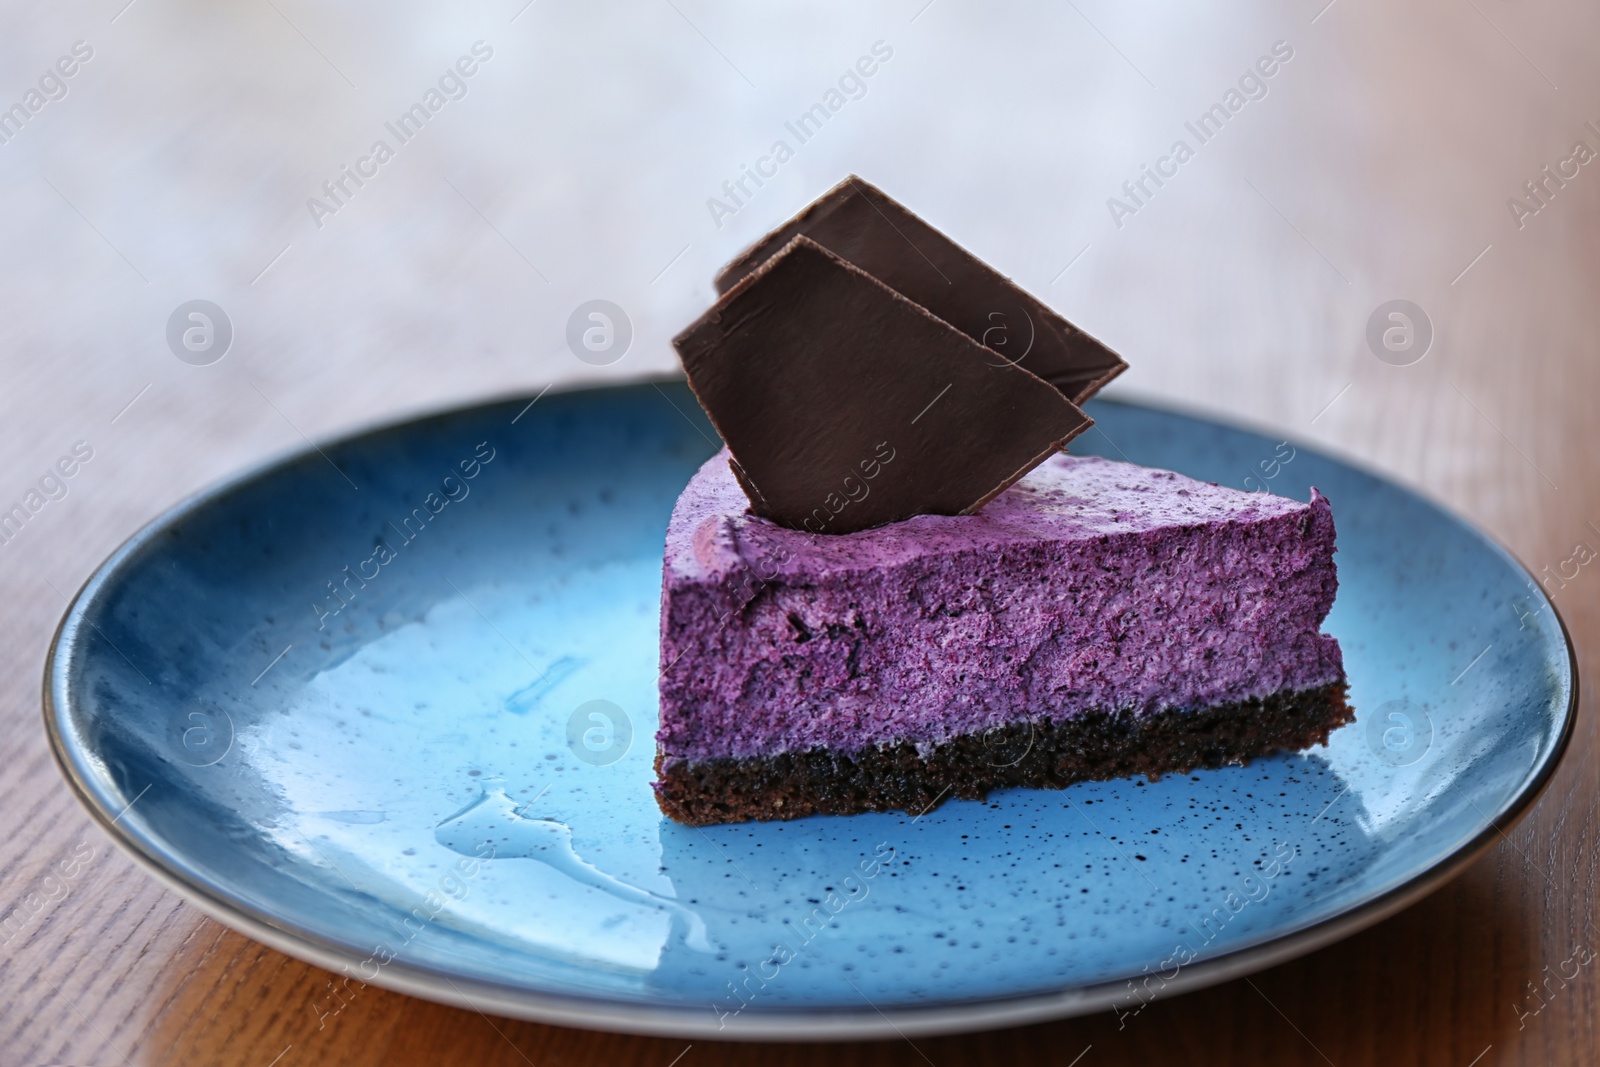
(1095, 620)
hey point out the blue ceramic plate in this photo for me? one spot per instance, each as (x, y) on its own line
(388, 706)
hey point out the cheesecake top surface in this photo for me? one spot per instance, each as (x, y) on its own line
(1064, 498)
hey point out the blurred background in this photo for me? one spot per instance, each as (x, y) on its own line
(199, 152)
(580, 162)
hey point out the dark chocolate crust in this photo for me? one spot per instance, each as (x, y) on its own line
(1043, 755)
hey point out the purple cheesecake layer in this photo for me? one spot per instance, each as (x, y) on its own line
(1088, 586)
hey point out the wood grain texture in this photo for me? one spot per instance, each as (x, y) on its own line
(1379, 165)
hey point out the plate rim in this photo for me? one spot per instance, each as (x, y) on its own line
(787, 1024)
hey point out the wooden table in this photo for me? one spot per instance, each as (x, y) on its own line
(1382, 160)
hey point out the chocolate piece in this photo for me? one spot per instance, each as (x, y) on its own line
(832, 389)
(1097, 746)
(863, 226)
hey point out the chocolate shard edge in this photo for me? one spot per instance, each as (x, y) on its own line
(871, 230)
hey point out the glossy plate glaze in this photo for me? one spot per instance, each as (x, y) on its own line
(388, 706)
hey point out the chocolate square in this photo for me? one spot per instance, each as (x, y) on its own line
(866, 227)
(846, 405)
